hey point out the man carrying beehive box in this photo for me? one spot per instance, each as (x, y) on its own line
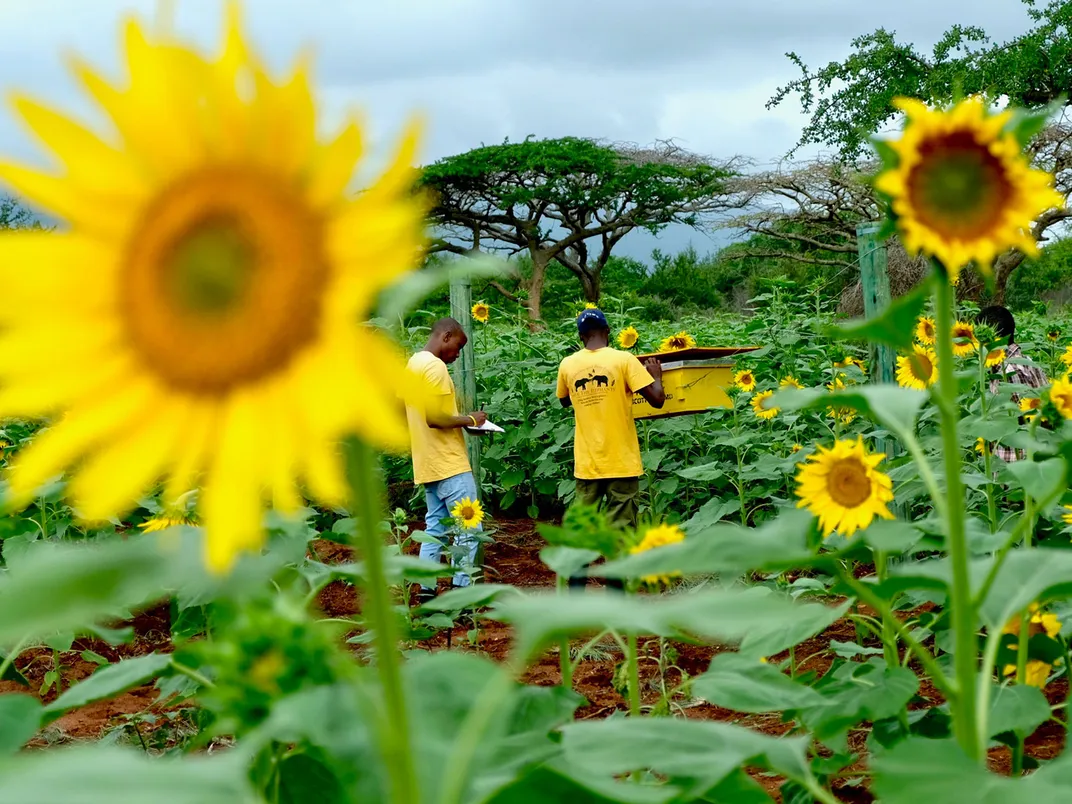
(599, 382)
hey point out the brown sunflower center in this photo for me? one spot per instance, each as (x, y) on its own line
(468, 513)
(223, 281)
(959, 188)
(848, 483)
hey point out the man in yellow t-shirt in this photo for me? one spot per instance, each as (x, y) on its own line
(440, 460)
(599, 383)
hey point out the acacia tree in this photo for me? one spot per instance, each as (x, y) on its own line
(570, 200)
(14, 215)
(850, 100)
(809, 212)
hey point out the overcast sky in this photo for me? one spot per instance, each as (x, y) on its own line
(697, 71)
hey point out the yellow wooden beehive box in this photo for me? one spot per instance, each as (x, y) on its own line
(694, 380)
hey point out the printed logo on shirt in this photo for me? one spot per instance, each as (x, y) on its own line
(592, 388)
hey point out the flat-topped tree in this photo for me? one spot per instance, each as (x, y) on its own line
(570, 200)
(850, 100)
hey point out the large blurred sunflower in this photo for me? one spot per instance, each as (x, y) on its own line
(199, 314)
(918, 369)
(961, 188)
(842, 487)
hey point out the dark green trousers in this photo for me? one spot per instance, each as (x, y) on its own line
(618, 497)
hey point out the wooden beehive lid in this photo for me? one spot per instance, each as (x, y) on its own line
(699, 353)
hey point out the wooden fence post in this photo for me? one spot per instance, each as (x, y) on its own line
(464, 369)
(875, 283)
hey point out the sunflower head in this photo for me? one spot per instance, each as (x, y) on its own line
(1066, 517)
(1036, 673)
(919, 369)
(679, 340)
(964, 340)
(1061, 396)
(1054, 334)
(745, 380)
(481, 312)
(469, 513)
(796, 448)
(761, 405)
(211, 279)
(925, 331)
(995, 357)
(849, 361)
(1030, 405)
(628, 337)
(659, 536)
(980, 445)
(842, 487)
(789, 381)
(590, 306)
(959, 186)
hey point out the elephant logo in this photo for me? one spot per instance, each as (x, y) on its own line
(581, 384)
(600, 379)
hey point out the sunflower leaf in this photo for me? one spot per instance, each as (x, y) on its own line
(894, 327)
(894, 408)
(417, 286)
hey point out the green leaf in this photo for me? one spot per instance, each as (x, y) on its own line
(1043, 480)
(555, 783)
(466, 597)
(859, 692)
(893, 407)
(746, 685)
(416, 286)
(757, 615)
(1018, 708)
(106, 774)
(781, 543)
(892, 537)
(1025, 577)
(20, 719)
(72, 585)
(109, 681)
(11, 673)
(679, 748)
(712, 511)
(894, 327)
(920, 770)
(705, 472)
(567, 561)
(305, 779)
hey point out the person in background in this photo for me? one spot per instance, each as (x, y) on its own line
(598, 382)
(1002, 322)
(440, 459)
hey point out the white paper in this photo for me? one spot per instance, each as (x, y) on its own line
(486, 427)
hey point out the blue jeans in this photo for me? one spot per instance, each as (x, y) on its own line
(441, 497)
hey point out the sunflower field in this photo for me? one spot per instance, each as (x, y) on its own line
(840, 589)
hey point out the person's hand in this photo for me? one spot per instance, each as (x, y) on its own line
(480, 417)
(654, 367)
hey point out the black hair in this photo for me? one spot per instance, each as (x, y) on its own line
(1000, 319)
(446, 326)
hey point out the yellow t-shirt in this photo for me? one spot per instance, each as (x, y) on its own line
(437, 454)
(600, 383)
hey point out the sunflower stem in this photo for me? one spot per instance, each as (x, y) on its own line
(633, 665)
(965, 656)
(394, 728)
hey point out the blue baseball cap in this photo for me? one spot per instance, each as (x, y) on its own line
(591, 319)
